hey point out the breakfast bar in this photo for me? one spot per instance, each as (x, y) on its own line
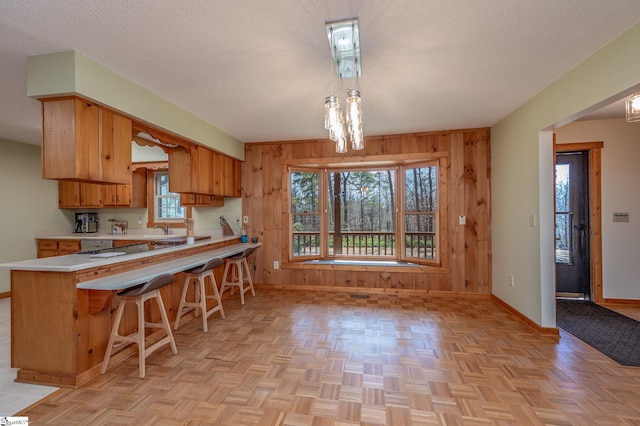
(62, 307)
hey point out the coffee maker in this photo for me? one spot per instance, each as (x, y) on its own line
(86, 223)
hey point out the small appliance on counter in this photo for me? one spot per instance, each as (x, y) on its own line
(118, 227)
(86, 223)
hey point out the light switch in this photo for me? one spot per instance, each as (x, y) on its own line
(462, 220)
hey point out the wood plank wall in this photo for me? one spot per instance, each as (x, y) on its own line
(468, 194)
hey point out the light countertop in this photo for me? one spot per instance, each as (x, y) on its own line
(129, 236)
(77, 262)
(124, 280)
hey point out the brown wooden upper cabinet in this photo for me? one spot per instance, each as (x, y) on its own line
(199, 170)
(85, 142)
(72, 194)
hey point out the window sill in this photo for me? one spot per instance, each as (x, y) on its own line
(366, 265)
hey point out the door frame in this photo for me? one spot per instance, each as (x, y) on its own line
(595, 208)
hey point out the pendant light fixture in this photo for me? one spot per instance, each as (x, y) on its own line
(344, 41)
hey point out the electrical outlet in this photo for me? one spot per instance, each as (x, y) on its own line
(245, 219)
(510, 280)
(276, 264)
(462, 220)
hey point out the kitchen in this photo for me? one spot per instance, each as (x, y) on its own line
(74, 129)
(21, 164)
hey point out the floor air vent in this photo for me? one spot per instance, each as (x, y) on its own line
(359, 296)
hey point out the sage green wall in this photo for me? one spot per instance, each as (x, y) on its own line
(29, 205)
(70, 72)
(522, 173)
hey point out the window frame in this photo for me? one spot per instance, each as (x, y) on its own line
(152, 220)
(438, 159)
(404, 212)
(320, 213)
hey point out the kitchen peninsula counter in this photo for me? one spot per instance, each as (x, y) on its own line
(61, 307)
(76, 262)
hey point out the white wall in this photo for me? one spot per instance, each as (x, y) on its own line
(29, 204)
(521, 168)
(620, 178)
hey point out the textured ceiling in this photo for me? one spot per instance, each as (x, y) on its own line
(260, 70)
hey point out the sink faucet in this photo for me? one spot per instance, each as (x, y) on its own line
(164, 227)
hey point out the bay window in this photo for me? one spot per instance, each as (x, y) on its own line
(387, 211)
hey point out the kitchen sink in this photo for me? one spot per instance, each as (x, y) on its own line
(177, 240)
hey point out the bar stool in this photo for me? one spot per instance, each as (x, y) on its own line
(199, 275)
(236, 274)
(139, 295)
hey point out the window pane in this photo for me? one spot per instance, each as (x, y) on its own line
(420, 235)
(563, 214)
(306, 234)
(420, 222)
(167, 205)
(304, 192)
(305, 217)
(361, 213)
(421, 187)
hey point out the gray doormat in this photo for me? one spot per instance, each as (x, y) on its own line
(611, 333)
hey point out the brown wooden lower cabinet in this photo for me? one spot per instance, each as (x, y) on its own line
(50, 248)
(59, 333)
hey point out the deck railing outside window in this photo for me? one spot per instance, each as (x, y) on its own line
(419, 245)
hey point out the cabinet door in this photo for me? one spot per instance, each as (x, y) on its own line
(110, 195)
(69, 139)
(139, 189)
(202, 170)
(209, 200)
(115, 147)
(47, 248)
(123, 195)
(180, 178)
(190, 171)
(68, 194)
(90, 195)
(188, 199)
(218, 174)
(85, 142)
(229, 177)
(237, 180)
(226, 181)
(68, 247)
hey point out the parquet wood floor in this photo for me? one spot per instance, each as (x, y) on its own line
(298, 358)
